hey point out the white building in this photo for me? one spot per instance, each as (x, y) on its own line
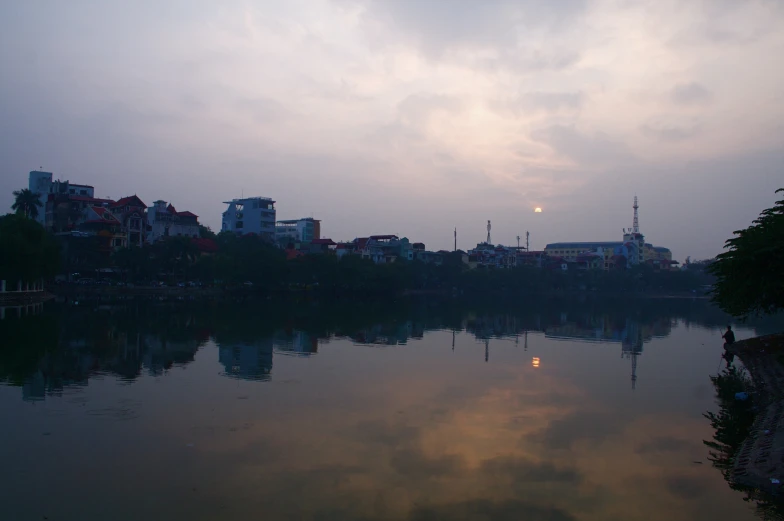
(164, 221)
(41, 183)
(250, 215)
(298, 230)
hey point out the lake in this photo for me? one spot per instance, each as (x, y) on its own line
(544, 409)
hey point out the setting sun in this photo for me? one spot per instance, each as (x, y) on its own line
(538, 210)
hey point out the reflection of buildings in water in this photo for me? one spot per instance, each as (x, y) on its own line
(631, 333)
(161, 354)
(388, 334)
(296, 343)
(247, 361)
(631, 347)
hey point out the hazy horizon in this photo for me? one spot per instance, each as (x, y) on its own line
(406, 117)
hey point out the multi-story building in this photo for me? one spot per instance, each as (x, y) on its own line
(297, 231)
(100, 222)
(486, 255)
(632, 251)
(163, 220)
(130, 211)
(41, 183)
(250, 215)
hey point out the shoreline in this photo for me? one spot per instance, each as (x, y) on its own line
(761, 455)
(212, 292)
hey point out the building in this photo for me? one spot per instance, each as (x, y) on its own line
(384, 249)
(632, 251)
(487, 255)
(297, 231)
(250, 215)
(101, 222)
(530, 258)
(163, 220)
(130, 211)
(41, 183)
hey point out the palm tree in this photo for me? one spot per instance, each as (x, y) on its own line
(26, 203)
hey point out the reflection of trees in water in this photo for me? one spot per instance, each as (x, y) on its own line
(732, 424)
(67, 344)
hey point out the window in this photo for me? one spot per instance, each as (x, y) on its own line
(82, 192)
(238, 225)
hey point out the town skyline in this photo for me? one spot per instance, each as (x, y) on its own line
(408, 118)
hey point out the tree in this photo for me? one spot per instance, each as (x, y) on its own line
(26, 203)
(205, 232)
(27, 252)
(748, 274)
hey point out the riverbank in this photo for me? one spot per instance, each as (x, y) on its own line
(71, 290)
(760, 461)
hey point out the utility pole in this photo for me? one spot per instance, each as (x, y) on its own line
(455, 238)
(526, 241)
(518, 242)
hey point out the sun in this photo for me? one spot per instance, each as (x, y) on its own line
(538, 210)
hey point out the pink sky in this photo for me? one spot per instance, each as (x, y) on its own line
(409, 117)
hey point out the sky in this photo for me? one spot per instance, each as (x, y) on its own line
(409, 117)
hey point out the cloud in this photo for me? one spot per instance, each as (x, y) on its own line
(438, 28)
(540, 102)
(417, 109)
(690, 94)
(670, 132)
(594, 149)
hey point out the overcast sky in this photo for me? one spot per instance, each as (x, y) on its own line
(409, 117)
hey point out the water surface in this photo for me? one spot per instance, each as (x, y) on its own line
(420, 410)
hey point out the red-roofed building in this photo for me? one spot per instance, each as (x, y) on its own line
(163, 220)
(100, 221)
(131, 213)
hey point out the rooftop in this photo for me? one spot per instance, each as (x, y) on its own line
(577, 245)
(242, 200)
(130, 200)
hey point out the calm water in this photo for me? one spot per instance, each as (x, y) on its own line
(407, 410)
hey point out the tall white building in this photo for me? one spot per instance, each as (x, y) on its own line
(250, 215)
(41, 183)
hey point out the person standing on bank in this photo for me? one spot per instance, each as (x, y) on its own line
(729, 336)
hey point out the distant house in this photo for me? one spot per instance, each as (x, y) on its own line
(486, 255)
(163, 220)
(101, 222)
(131, 213)
(320, 246)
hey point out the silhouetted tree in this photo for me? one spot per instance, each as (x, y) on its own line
(748, 274)
(26, 202)
(27, 251)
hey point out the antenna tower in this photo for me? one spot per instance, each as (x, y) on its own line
(518, 242)
(488, 232)
(636, 226)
